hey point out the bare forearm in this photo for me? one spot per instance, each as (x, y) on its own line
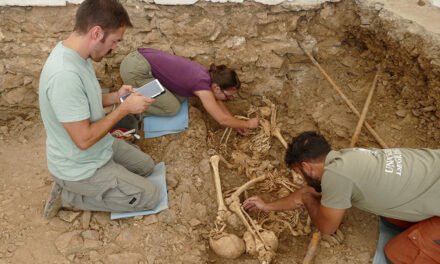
(223, 107)
(87, 134)
(285, 203)
(110, 99)
(230, 121)
(312, 203)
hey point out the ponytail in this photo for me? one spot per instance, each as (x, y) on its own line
(224, 76)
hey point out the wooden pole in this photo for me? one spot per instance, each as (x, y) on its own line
(357, 131)
(350, 105)
(312, 248)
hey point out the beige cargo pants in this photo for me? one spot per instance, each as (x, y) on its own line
(136, 71)
(121, 185)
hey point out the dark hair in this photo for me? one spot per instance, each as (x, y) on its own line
(306, 146)
(110, 15)
(224, 76)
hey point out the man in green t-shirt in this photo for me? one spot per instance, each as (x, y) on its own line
(401, 184)
(92, 170)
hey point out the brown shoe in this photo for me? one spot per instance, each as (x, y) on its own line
(53, 203)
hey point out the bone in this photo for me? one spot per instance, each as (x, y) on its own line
(214, 160)
(247, 185)
(224, 134)
(268, 237)
(277, 133)
(222, 243)
(265, 254)
(264, 250)
(228, 165)
(227, 245)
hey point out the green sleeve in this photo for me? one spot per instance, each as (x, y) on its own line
(336, 191)
(68, 98)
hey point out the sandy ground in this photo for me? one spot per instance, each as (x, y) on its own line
(27, 238)
(180, 234)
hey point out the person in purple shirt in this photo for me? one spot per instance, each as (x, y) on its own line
(184, 78)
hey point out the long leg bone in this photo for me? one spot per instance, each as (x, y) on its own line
(223, 214)
(214, 160)
(265, 252)
(223, 244)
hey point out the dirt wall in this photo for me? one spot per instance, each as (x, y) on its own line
(260, 41)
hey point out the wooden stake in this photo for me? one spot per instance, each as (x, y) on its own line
(357, 131)
(338, 90)
(312, 248)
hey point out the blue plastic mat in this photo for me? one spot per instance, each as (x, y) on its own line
(158, 178)
(386, 232)
(156, 126)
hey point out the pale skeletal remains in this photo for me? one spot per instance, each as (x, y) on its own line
(260, 241)
(222, 243)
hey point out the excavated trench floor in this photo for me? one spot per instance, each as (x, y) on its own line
(403, 112)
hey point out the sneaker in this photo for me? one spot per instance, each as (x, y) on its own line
(53, 203)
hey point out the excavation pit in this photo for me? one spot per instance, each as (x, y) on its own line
(348, 39)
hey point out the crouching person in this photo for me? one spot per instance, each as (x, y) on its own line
(401, 185)
(91, 169)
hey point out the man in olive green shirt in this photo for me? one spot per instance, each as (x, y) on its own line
(399, 184)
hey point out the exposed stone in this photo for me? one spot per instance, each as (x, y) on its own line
(91, 245)
(85, 219)
(11, 81)
(94, 255)
(18, 95)
(201, 211)
(401, 113)
(69, 243)
(186, 204)
(102, 218)
(68, 216)
(150, 219)
(167, 216)
(127, 237)
(270, 60)
(194, 222)
(125, 257)
(191, 49)
(90, 234)
(235, 42)
(204, 166)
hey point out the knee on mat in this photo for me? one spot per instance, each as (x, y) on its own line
(150, 199)
(147, 167)
(173, 110)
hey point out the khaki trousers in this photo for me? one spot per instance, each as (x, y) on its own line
(136, 71)
(121, 185)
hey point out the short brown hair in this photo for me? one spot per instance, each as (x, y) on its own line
(224, 77)
(110, 15)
